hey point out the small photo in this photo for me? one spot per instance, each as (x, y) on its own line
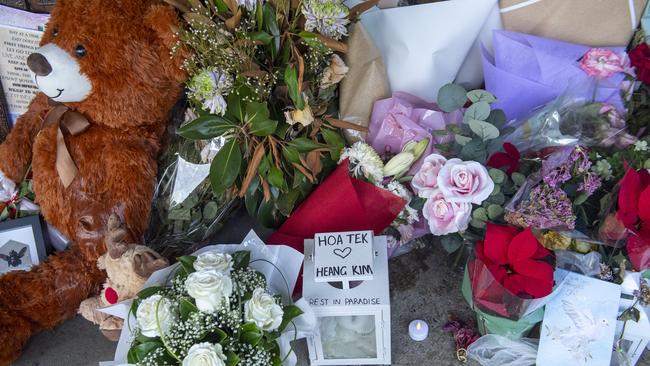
(21, 244)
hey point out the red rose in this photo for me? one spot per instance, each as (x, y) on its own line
(640, 59)
(634, 213)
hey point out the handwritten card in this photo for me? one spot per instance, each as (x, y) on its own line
(579, 323)
(346, 256)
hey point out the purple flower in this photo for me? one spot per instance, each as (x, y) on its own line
(545, 208)
(591, 182)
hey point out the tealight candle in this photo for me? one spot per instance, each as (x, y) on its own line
(419, 330)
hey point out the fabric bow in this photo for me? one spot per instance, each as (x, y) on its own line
(73, 122)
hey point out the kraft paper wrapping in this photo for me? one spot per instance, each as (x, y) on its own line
(596, 23)
(365, 83)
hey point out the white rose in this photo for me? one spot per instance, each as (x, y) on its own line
(262, 310)
(220, 262)
(146, 315)
(205, 354)
(210, 289)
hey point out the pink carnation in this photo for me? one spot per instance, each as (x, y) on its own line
(446, 217)
(425, 181)
(465, 181)
(601, 63)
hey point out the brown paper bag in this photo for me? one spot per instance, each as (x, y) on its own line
(595, 23)
(365, 83)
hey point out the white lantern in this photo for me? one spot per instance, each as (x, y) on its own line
(346, 283)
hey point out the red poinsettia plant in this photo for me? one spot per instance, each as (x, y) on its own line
(510, 268)
(632, 219)
(508, 159)
(640, 59)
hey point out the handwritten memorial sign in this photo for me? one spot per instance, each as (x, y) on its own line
(346, 256)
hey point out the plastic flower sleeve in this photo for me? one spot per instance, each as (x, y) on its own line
(185, 211)
(496, 350)
(572, 119)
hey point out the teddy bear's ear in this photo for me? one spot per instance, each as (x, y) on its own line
(164, 21)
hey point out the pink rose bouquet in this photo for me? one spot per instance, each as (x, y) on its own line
(602, 63)
(445, 217)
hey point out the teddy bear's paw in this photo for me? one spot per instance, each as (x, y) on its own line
(115, 237)
(148, 262)
(88, 309)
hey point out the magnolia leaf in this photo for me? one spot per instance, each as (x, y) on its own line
(257, 114)
(462, 140)
(479, 111)
(225, 166)
(291, 79)
(480, 95)
(494, 211)
(276, 178)
(484, 130)
(335, 141)
(262, 37)
(304, 144)
(205, 127)
(286, 202)
(497, 175)
(452, 97)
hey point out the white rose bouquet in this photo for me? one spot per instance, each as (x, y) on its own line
(217, 310)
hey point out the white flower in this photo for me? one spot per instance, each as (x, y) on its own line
(334, 73)
(364, 162)
(408, 214)
(148, 319)
(262, 310)
(210, 289)
(327, 17)
(213, 260)
(205, 354)
(641, 145)
(248, 4)
(603, 169)
(209, 88)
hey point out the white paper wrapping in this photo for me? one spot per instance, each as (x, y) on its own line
(278, 263)
(427, 46)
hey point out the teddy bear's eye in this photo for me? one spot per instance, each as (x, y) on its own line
(55, 32)
(80, 51)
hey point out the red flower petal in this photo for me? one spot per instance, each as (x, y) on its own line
(534, 288)
(511, 150)
(535, 269)
(628, 198)
(638, 249)
(497, 240)
(644, 204)
(523, 246)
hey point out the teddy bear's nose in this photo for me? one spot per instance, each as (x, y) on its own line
(38, 64)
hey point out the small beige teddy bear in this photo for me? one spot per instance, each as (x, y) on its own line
(128, 266)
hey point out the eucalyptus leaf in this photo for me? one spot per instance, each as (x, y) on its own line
(498, 118)
(452, 97)
(480, 214)
(480, 95)
(494, 211)
(210, 210)
(483, 129)
(462, 140)
(226, 166)
(497, 175)
(478, 224)
(518, 178)
(474, 150)
(478, 111)
(451, 243)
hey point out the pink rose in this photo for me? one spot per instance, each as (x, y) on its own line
(446, 217)
(601, 63)
(465, 181)
(425, 181)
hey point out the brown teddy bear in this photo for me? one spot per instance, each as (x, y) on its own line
(127, 266)
(108, 79)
